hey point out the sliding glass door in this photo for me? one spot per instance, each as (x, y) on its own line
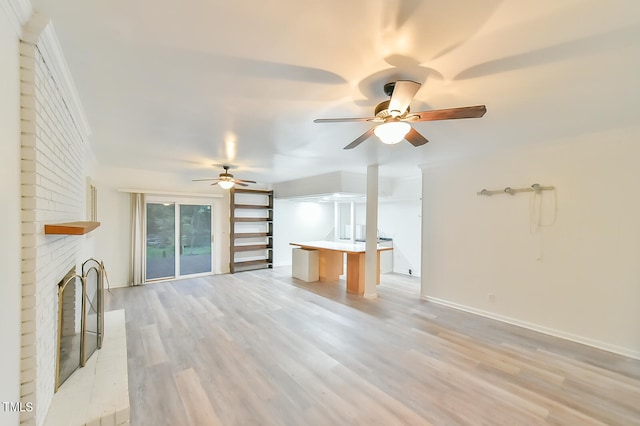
(178, 239)
(195, 239)
(161, 237)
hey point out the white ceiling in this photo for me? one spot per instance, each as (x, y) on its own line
(188, 84)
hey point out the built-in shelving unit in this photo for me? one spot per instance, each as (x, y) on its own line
(251, 229)
(70, 228)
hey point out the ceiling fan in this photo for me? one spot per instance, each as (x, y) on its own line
(394, 116)
(226, 179)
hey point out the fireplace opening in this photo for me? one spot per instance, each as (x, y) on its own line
(80, 318)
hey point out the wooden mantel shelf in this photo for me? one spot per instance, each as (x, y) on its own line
(71, 228)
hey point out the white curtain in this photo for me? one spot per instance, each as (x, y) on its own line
(137, 267)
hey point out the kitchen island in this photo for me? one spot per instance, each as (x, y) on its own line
(331, 255)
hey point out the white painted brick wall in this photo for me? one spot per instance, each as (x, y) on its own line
(53, 190)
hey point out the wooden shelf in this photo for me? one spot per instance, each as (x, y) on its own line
(265, 263)
(70, 228)
(253, 219)
(251, 247)
(250, 235)
(252, 206)
(257, 204)
(252, 191)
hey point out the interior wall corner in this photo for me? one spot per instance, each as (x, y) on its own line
(18, 12)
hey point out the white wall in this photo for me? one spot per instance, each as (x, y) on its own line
(112, 243)
(10, 294)
(577, 278)
(299, 221)
(399, 218)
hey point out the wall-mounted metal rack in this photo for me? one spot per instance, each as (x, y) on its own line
(511, 191)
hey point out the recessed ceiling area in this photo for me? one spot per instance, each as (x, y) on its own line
(181, 87)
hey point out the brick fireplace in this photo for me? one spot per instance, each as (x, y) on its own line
(54, 162)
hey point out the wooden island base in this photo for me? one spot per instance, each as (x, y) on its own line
(331, 259)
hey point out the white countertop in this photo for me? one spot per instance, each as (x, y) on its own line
(338, 246)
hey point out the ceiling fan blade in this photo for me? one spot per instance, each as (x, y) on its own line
(342, 120)
(215, 183)
(449, 113)
(201, 180)
(240, 183)
(402, 95)
(415, 138)
(360, 139)
(244, 180)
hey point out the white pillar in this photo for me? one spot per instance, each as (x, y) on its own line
(371, 255)
(424, 238)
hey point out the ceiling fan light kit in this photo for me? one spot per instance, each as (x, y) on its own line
(392, 132)
(226, 180)
(395, 116)
(226, 184)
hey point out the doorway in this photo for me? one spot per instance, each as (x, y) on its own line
(178, 239)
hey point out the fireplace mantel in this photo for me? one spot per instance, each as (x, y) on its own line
(71, 228)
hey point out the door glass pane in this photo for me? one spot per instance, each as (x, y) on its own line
(161, 236)
(195, 239)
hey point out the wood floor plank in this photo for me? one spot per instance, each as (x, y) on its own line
(261, 347)
(159, 313)
(197, 407)
(153, 347)
(158, 404)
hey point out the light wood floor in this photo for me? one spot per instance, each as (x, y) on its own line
(262, 348)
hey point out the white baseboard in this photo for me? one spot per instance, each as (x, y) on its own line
(407, 274)
(117, 286)
(541, 329)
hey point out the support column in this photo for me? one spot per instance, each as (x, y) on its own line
(424, 238)
(371, 255)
